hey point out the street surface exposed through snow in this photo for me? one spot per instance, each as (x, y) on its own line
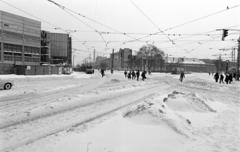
(196, 115)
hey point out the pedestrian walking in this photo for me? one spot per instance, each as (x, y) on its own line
(133, 74)
(129, 75)
(235, 75)
(227, 80)
(138, 74)
(230, 78)
(125, 74)
(143, 75)
(102, 72)
(182, 75)
(216, 77)
(221, 79)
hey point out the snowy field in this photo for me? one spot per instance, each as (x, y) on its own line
(88, 113)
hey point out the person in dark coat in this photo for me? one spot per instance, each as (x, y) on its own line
(230, 78)
(182, 75)
(221, 78)
(129, 75)
(143, 75)
(235, 75)
(133, 74)
(102, 72)
(227, 78)
(216, 77)
(125, 74)
(138, 74)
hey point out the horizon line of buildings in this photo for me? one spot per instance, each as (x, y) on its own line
(122, 60)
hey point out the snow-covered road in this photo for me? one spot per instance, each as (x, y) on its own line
(41, 106)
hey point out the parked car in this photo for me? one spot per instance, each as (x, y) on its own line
(6, 84)
(89, 71)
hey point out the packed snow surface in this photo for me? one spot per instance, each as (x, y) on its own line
(88, 113)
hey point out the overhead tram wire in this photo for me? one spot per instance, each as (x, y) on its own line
(67, 31)
(89, 26)
(201, 33)
(47, 22)
(68, 11)
(192, 21)
(90, 19)
(203, 17)
(154, 24)
(150, 20)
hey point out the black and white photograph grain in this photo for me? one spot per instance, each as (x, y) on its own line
(119, 76)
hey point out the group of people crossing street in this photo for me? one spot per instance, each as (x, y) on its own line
(221, 78)
(135, 74)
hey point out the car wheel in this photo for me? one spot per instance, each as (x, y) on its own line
(7, 86)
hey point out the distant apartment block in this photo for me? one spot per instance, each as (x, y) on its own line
(121, 59)
(60, 48)
(56, 48)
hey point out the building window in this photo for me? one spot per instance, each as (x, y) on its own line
(12, 48)
(6, 25)
(32, 50)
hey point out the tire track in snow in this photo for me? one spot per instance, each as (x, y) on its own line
(150, 91)
(59, 111)
(44, 96)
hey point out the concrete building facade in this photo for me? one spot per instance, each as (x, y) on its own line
(24, 46)
(19, 41)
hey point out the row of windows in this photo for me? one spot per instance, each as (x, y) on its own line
(12, 54)
(21, 28)
(20, 36)
(29, 49)
(29, 59)
(18, 48)
(8, 56)
(12, 58)
(17, 58)
(12, 47)
(12, 35)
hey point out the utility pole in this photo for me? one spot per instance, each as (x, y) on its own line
(219, 63)
(238, 59)
(112, 61)
(94, 55)
(73, 61)
(234, 55)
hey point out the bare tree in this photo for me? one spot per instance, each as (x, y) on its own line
(151, 56)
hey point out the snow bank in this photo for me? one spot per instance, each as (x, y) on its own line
(74, 74)
(179, 101)
(157, 112)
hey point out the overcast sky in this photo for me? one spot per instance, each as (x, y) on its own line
(123, 16)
